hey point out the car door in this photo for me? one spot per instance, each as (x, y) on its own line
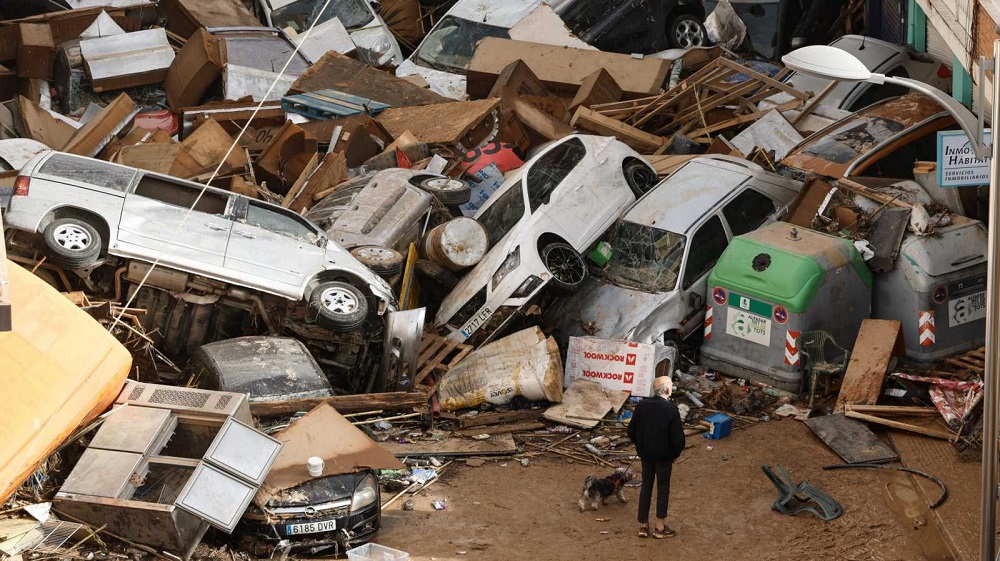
(177, 222)
(707, 244)
(276, 248)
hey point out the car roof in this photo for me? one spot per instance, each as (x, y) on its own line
(678, 202)
(502, 13)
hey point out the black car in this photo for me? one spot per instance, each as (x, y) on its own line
(637, 26)
(338, 512)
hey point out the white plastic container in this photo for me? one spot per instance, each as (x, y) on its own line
(315, 466)
(376, 552)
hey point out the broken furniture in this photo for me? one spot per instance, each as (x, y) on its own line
(878, 340)
(167, 463)
(818, 364)
(793, 499)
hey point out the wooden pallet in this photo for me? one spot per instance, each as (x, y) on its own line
(437, 355)
(966, 365)
(330, 104)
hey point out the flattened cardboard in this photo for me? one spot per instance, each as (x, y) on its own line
(99, 131)
(39, 125)
(195, 67)
(325, 433)
(36, 51)
(158, 157)
(208, 145)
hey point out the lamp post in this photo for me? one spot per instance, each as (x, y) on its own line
(834, 64)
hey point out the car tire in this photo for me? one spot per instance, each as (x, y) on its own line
(339, 306)
(448, 191)
(437, 274)
(640, 177)
(685, 30)
(72, 243)
(566, 265)
(383, 261)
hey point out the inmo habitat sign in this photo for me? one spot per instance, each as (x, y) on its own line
(957, 164)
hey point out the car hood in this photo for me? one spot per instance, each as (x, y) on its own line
(607, 311)
(442, 83)
(318, 491)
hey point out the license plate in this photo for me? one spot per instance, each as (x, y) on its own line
(476, 322)
(311, 527)
(753, 328)
(966, 309)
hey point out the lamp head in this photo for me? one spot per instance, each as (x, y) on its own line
(827, 62)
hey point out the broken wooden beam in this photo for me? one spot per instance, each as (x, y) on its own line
(495, 418)
(522, 426)
(943, 435)
(592, 121)
(342, 403)
(878, 340)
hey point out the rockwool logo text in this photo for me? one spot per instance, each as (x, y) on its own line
(602, 375)
(604, 356)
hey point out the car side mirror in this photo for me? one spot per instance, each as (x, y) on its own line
(376, 6)
(321, 241)
(695, 301)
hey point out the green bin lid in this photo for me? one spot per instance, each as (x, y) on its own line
(774, 265)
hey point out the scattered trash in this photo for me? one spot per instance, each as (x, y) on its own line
(439, 504)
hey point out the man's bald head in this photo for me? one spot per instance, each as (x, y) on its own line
(663, 386)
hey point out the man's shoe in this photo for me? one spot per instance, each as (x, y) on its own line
(643, 530)
(664, 532)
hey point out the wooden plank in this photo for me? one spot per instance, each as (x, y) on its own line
(5, 298)
(342, 403)
(495, 418)
(495, 445)
(878, 340)
(763, 78)
(894, 409)
(850, 439)
(742, 120)
(592, 121)
(901, 426)
(502, 429)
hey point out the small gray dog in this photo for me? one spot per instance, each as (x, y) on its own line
(597, 491)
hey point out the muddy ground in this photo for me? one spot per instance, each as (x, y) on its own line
(720, 507)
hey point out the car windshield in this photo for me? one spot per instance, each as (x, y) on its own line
(501, 216)
(449, 47)
(299, 15)
(644, 258)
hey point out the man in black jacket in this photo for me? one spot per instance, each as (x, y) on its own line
(657, 431)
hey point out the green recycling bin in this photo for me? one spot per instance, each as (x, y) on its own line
(771, 285)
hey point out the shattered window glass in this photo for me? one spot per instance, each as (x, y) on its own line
(502, 215)
(551, 169)
(279, 223)
(707, 246)
(300, 15)
(90, 171)
(450, 46)
(854, 138)
(644, 258)
(581, 16)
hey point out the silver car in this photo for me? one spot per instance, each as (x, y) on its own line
(665, 246)
(85, 207)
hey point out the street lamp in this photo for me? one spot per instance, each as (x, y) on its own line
(834, 64)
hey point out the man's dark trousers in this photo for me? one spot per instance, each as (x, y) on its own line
(661, 470)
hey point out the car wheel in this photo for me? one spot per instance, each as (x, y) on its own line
(339, 306)
(383, 261)
(566, 266)
(640, 177)
(686, 31)
(72, 243)
(437, 274)
(448, 191)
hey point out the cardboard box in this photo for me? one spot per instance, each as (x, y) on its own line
(36, 51)
(186, 17)
(616, 365)
(194, 69)
(127, 60)
(563, 69)
(100, 130)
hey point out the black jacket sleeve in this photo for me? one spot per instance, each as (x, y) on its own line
(633, 426)
(676, 431)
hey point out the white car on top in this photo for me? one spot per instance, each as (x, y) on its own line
(539, 222)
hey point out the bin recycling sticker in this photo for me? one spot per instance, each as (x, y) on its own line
(749, 319)
(957, 163)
